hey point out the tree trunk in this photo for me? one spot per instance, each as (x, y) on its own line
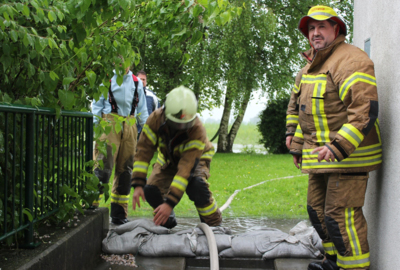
(236, 125)
(224, 125)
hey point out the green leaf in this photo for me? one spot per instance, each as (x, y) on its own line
(68, 80)
(60, 15)
(31, 70)
(53, 75)
(79, 207)
(5, 14)
(180, 33)
(104, 91)
(6, 49)
(91, 77)
(42, 77)
(27, 212)
(25, 40)
(99, 21)
(196, 37)
(50, 43)
(50, 199)
(69, 191)
(52, 16)
(197, 10)
(239, 11)
(203, 3)
(6, 98)
(58, 112)
(114, 147)
(67, 98)
(71, 44)
(118, 128)
(14, 35)
(185, 59)
(25, 11)
(120, 80)
(225, 17)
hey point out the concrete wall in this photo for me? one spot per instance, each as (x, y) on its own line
(380, 21)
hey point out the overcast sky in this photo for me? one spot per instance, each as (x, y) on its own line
(256, 105)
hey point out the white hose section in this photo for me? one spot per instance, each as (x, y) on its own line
(212, 246)
(230, 199)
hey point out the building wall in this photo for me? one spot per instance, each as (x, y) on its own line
(380, 22)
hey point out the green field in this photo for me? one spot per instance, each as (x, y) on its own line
(248, 134)
(284, 198)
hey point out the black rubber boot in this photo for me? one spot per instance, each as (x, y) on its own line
(171, 222)
(119, 221)
(328, 264)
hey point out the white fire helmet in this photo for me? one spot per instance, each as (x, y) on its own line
(181, 108)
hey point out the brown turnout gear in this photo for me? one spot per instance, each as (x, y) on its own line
(125, 142)
(334, 205)
(334, 102)
(183, 160)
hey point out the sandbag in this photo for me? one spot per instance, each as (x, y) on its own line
(144, 238)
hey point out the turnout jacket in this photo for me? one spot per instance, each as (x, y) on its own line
(183, 152)
(334, 102)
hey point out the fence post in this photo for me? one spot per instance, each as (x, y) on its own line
(30, 153)
(89, 141)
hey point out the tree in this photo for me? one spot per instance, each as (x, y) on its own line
(272, 125)
(56, 53)
(264, 55)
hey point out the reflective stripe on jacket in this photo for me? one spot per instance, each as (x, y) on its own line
(183, 152)
(334, 102)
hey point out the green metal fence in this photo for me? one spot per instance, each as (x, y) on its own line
(39, 154)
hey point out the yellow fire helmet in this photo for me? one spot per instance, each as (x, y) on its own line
(321, 13)
(181, 108)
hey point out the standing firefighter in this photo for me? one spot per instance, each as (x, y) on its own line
(183, 163)
(127, 100)
(333, 133)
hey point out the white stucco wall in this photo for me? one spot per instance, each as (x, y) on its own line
(380, 21)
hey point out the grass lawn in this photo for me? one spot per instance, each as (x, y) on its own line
(284, 198)
(248, 134)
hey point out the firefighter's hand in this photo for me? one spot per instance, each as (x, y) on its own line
(297, 161)
(162, 214)
(324, 154)
(136, 195)
(288, 141)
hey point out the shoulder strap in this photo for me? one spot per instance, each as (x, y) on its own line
(135, 100)
(111, 99)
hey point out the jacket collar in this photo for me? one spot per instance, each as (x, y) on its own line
(315, 58)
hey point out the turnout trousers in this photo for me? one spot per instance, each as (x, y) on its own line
(125, 147)
(197, 190)
(334, 205)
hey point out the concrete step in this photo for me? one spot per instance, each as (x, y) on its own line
(292, 263)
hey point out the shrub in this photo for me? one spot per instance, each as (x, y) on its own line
(272, 125)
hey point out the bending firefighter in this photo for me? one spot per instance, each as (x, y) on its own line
(127, 100)
(333, 134)
(183, 163)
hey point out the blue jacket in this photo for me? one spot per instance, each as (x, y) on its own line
(123, 95)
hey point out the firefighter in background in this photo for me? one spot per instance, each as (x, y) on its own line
(183, 162)
(127, 100)
(333, 134)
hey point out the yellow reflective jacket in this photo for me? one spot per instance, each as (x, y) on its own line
(182, 152)
(334, 102)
